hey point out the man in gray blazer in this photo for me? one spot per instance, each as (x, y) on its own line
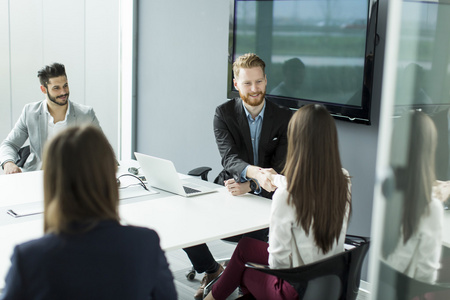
(41, 120)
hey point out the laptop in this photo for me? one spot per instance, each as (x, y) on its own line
(161, 173)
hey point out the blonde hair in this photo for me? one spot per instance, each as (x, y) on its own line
(317, 186)
(247, 61)
(80, 186)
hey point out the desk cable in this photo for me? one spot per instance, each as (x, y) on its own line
(141, 183)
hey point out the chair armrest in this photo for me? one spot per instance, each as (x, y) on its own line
(355, 240)
(201, 172)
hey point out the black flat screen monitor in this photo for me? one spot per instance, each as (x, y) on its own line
(316, 51)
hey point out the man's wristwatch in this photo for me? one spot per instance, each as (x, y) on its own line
(254, 186)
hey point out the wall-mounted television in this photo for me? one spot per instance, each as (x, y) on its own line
(316, 51)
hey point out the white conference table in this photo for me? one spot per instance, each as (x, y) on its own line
(179, 221)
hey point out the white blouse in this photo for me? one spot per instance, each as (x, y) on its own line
(419, 257)
(286, 235)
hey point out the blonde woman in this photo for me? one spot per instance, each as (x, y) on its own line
(310, 211)
(86, 253)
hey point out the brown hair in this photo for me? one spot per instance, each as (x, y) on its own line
(247, 61)
(80, 186)
(415, 179)
(51, 71)
(317, 186)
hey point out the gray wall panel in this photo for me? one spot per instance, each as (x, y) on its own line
(182, 69)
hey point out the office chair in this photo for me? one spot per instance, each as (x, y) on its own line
(335, 277)
(396, 285)
(201, 172)
(24, 152)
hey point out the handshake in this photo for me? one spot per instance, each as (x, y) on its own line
(264, 177)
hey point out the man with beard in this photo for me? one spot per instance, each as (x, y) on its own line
(251, 134)
(41, 120)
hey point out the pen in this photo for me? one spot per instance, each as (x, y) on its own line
(12, 213)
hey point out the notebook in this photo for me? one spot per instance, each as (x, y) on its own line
(161, 173)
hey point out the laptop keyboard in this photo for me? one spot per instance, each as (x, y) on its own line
(189, 190)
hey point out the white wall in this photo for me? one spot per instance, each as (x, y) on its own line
(5, 98)
(83, 35)
(182, 77)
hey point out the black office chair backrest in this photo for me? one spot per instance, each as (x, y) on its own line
(396, 285)
(201, 172)
(24, 152)
(357, 256)
(336, 277)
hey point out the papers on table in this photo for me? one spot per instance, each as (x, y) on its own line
(131, 191)
(26, 210)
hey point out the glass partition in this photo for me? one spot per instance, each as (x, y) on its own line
(413, 256)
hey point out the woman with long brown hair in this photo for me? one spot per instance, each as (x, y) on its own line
(413, 246)
(309, 216)
(85, 252)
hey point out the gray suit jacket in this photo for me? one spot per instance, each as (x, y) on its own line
(32, 125)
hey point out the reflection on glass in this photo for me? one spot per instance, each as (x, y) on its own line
(442, 122)
(293, 75)
(413, 78)
(413, 245)
(422, 76)
(415, 258)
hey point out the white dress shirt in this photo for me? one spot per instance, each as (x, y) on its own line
(52, 127)
(419, 257)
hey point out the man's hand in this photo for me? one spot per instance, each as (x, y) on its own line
(237, 188)
(10, 168)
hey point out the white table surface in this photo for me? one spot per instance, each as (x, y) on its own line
(179, 221)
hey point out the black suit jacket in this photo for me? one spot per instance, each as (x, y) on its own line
(442, 156)
(108, 262)
(233, 138)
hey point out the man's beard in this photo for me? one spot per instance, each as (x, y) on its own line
(54, 99)
(251, 101)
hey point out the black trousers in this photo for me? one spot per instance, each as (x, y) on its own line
(202, 259)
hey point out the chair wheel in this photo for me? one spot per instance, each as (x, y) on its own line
(190, 275)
